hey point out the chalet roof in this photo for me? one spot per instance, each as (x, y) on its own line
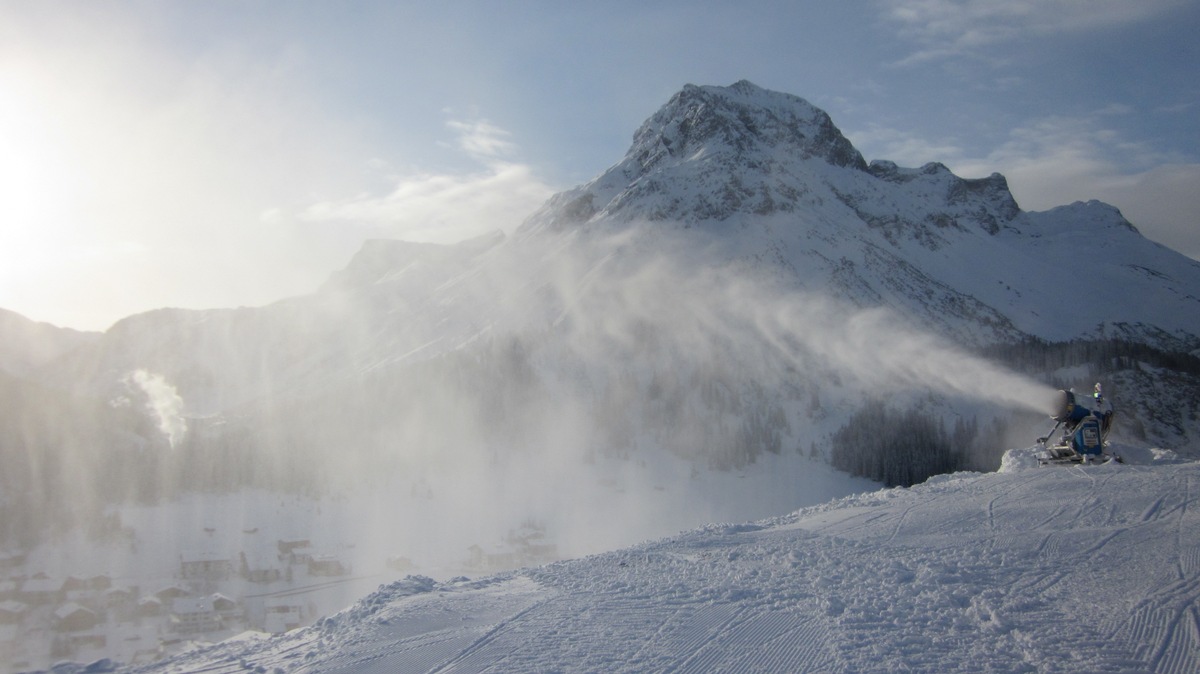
(71, 608)
(12, 606)
(191, 605)
(38, 585)
(220, 602)
(171, 591)
(100, 581)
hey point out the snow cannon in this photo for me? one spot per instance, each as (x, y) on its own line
(1086, 423)
(1071, 409)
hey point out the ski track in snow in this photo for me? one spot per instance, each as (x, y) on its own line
(1081, 569)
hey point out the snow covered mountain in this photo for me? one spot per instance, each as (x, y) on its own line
(774, 179)
(684, 339)
(1068, 570)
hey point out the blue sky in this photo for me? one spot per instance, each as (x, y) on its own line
(225, 153)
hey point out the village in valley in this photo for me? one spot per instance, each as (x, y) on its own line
(269, 588)
(45, 619)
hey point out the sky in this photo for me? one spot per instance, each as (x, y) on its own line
(235, 152)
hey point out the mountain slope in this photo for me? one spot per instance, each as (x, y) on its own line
(773, 179)
(1073, 570)
(26, 345)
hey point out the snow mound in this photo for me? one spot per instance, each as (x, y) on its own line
(1017, 460)
(1144, 456)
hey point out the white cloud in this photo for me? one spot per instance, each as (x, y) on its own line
(1053, 152)
(903, 147)
(1176, 108)
(445, 207)
(1059, 160)
(1164, 202)
(481, 140)
(946, 28)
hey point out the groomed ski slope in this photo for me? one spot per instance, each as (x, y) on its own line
(1063, 569)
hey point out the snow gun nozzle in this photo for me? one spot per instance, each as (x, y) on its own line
(1069, 408)
(1063, 406)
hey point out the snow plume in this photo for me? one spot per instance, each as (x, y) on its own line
(163, 401)
(600, 388)
(713, 311)
(884, 353)
(626, 386)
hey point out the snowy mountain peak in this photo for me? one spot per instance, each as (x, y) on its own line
(770, 181)
(741, 119)
(1090, 217)
(715, 153)
(709, 154)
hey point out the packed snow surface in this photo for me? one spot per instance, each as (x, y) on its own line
(1062, 569)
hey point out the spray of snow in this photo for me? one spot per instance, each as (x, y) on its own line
(884, 353)
(163, 401)
(564, 392)
(577, 432)
(727, 312)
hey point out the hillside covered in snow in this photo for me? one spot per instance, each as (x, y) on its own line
(714, 329)
(1083, 569)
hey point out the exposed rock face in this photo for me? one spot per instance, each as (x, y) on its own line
(742, 122)
(714, 153)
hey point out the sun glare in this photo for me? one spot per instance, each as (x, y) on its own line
(48, 189)
(35, 162)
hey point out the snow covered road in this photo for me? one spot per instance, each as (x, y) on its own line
(1079, 569)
